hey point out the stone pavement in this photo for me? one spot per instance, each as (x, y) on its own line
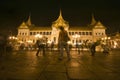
(24, 65)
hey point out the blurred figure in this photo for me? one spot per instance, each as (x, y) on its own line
(3, 43)
(106, 49)
(52, 46)
(41, 46)
(77, 47)
(93, 49)
(62, 42)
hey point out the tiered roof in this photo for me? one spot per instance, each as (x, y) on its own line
(60, 21)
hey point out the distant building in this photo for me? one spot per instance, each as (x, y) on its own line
(94, 31)
(115, 40)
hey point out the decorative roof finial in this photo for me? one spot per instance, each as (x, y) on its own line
(60, 15)
(93, 20)
(29, 20)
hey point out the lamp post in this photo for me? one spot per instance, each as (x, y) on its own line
(38, 36)
(76, 37)
(106, 40)
(29, 44)
(12, 42)
(106, 44)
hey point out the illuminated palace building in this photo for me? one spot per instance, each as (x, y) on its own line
(29, 33)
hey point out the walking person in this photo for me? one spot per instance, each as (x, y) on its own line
(77, 47)
(106, 49)
(62, 43)
(93, 49)
(41, 47)
(52, 46)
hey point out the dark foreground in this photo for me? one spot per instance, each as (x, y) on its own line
(24, 65)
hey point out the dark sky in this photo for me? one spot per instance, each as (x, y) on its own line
(44, 12)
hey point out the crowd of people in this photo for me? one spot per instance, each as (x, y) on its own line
(63, 39)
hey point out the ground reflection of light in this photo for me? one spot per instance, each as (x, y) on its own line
(74, 64)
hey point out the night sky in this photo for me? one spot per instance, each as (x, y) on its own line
(44, 12)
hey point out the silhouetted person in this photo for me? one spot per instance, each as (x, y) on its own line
(52, 46)
(92, 49)
(3, 42)
(78, 47)
(62, 42)
(105, 49)
(41, 47)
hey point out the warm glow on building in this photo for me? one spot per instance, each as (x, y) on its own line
(94, 31)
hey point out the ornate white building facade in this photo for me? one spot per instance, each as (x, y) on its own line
(94, 31)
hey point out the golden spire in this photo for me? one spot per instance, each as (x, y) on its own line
(93, 20)
(60, 21)
(60, 15)
(29, 20)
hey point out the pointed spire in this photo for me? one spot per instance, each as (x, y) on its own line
(29, 20)
(93, 20)
(60, 15)
(60, 21)
(60, 18)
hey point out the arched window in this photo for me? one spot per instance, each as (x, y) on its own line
(69, 33)
(86, 33)
(79, 33)
(30, 33)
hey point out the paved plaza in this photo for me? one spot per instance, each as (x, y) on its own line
(25, 65)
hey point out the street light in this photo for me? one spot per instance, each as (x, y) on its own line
(76, 36)
(38, 36)
(106, 40)
(12, 38)
(76, 43)
(12, 41)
